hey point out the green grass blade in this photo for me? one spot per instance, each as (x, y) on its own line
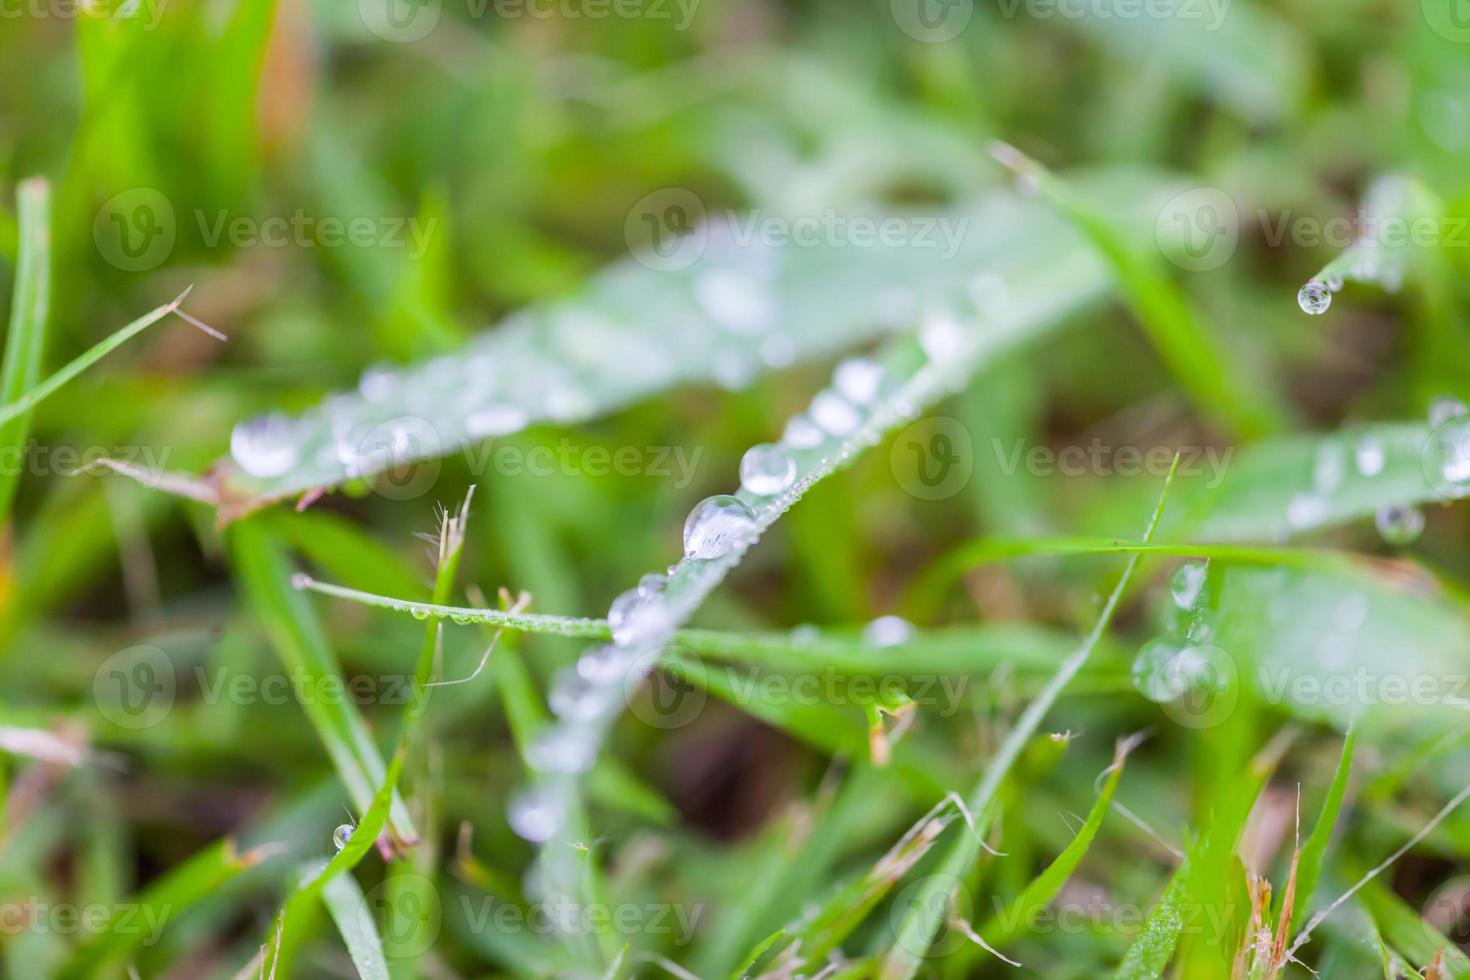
(922, 922)
(1154, 946)
(25, 343)
(349, 910)
(1049, 883)
(1309, 871)
(33, 396)
(183, 886)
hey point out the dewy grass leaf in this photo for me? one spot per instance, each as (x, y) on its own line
(354, 919)
(25, 343)
(921, 923)
(550, 364)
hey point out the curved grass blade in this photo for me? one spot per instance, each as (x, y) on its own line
(190, 882)
(634, 330)
(349, 910)
(1310, 868)
(1384, 252)
(1188, 348)
(925, 915)
(38, 393)
(29, 308)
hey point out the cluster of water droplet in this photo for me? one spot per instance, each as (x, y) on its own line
(1169, 666)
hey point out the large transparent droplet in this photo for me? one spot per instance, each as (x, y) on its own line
(535, 814)
(638, 616)
(942, 336)
(858, 379)
(1443, 409)
(1314, 297)
(1306, 510)
(1185, 584)
(801, 433)
(887, 631)
(834, 414)
(264, 446)
(341, 835)
(766, 470)
(1399, 524)
(717, 526)
(1156, 674)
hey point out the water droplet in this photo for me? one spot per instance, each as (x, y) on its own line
(1399, 524)
(766, 469)
(341, 835)
(732, 370)
(534, 814)
(1185, 584)
(777, 350)
(638, 617)
(1329, 467)
(653, 584)
(834, 414)
(1443, 409)
(1314, 297)
(562, 747)
(419, 612)
(1305, 510)
(565, 403)
(1334, 282)
(858, 379)
(378, 382)
(497, 420)
(942, 336)
(735, 301)
(887, 631)
(1368, 455)
(264, 446)
(805, 634)
(717, 526)
(1352, 611)
(801, 433)
(576, 698)
(602, 665)
(1155, 674)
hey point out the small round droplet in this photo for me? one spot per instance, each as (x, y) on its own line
(887, 631)
(637, 616)
(1443, 409)
(1334, 282)
(1305, 510)
(1328, 470)
(652, 584)
(377, 382)
(717, 526)
(858, 379)
(1185, 584)
(777, 350)
(1368, 455)
(341, 835)
(419, 612)
(1314, 297)
(1399, 524)
(834, 414)
(766, 470)
(801, 433)
(576, 698)
(534, 814)
(264, 446)
(942, 336)
(563, 748)
(735, 301)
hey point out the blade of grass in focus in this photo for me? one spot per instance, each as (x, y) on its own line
(25, 343)
(301, 644)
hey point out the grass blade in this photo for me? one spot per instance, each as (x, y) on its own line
(25, 343)
(354, 919)
(1310, 869)
(924, 918)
